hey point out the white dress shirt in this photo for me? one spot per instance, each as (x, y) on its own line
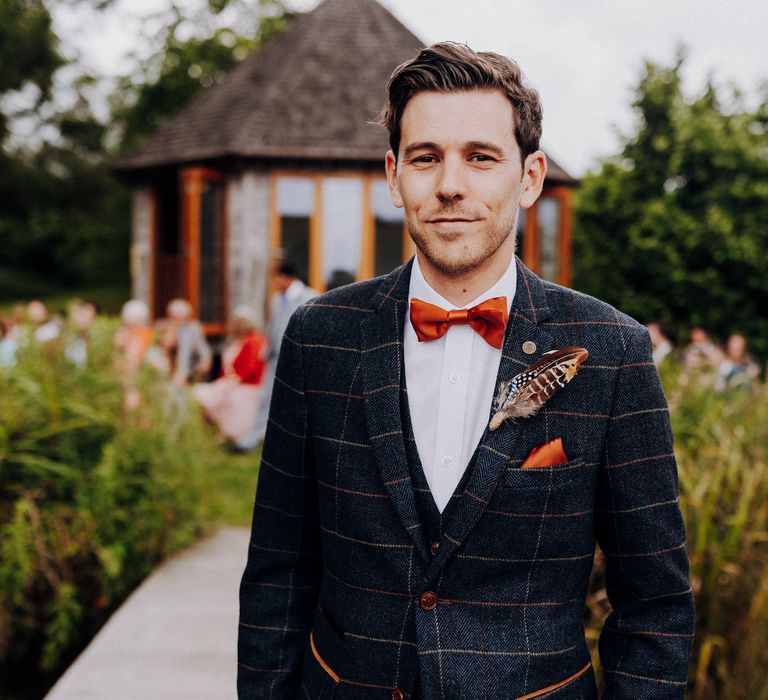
(451, 382)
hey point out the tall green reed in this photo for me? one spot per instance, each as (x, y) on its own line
(91, 497)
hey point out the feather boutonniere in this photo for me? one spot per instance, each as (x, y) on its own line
(524, 394)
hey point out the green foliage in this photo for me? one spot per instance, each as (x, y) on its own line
(28, 46)
(721, 446)
(673, 228)
(184, 67)
(181, 67)
(64, 218)
(92, 498)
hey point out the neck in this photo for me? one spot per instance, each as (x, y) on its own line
(462, 288)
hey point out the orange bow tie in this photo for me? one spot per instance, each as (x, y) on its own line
(488, 318)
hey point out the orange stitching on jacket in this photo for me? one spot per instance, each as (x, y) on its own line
(550, 688)
(325, 666)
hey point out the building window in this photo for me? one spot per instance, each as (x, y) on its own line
(336, 226)
(548, 216)
(295, 207)
(342, 232)
(387, 229)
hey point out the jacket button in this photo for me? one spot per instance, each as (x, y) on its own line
(398, 694)
(428, 600)
(434, 547)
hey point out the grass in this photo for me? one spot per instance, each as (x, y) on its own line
(231, 487)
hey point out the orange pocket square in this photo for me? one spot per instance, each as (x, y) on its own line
(549, 454)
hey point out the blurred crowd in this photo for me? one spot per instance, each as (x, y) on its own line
(725, 366)
(174, 348)
(232, 383)
(32, 324)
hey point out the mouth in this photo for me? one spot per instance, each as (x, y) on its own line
(451, 220)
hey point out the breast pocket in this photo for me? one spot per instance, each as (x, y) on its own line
(561, 475)
(566, 491)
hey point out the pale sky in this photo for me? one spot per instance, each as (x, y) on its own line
(584, 56)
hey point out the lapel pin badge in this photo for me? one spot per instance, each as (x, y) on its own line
(524, 394)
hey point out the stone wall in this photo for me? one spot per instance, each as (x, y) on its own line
(248, 246)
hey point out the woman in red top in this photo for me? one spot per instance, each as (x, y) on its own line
(232, 400)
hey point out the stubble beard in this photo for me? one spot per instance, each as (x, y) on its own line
(467, 260)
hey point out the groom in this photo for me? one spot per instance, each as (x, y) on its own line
(402, 549)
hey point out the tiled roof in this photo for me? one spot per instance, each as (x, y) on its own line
(308, 93)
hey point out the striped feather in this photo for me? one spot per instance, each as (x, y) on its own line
(527, 392)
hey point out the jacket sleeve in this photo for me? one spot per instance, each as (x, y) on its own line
(645, 643)
(279, 588)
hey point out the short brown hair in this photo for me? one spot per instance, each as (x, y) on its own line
(453, 67)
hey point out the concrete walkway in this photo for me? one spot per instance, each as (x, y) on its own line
(175, 636)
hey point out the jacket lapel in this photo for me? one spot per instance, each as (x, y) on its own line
(381, 342)
(529, 309)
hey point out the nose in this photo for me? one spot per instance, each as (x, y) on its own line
(451, 185)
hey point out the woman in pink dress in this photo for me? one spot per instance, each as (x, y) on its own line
(231, 401)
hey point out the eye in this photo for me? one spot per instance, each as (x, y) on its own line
(426, 158)
(481, 158)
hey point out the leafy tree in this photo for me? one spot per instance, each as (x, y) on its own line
(181, 66)
(674, 227)
(64, 218)
(28, 50)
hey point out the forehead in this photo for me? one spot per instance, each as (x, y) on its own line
(445, 118)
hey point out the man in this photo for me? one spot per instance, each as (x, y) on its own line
(400, 547)
(290, 294)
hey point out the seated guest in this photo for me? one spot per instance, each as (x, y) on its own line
(192, 354)
(737, 368)
(232, 400)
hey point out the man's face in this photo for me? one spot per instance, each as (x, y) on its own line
(459, 178)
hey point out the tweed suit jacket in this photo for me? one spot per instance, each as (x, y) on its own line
(333, 598)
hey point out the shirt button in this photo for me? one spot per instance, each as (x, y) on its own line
(428, 600)
(447, 459)
(398, 694)
(455, 378)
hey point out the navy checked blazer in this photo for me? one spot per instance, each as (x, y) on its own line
(344, 596)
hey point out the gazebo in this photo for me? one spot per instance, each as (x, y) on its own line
(279, 160)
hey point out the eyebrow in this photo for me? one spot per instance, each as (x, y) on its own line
(419, 146)
(485, 146)
(470, 146)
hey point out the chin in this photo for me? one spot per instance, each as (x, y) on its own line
(454, 264)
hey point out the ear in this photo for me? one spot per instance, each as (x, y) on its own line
(390, 165)
(534, 172)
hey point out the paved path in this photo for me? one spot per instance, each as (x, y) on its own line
(175, 636)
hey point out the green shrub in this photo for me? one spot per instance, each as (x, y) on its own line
(91, 498)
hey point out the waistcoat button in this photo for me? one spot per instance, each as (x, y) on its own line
(428, 600)
(434, 547)
(398, 694)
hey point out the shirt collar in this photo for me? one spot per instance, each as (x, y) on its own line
(505, 286)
